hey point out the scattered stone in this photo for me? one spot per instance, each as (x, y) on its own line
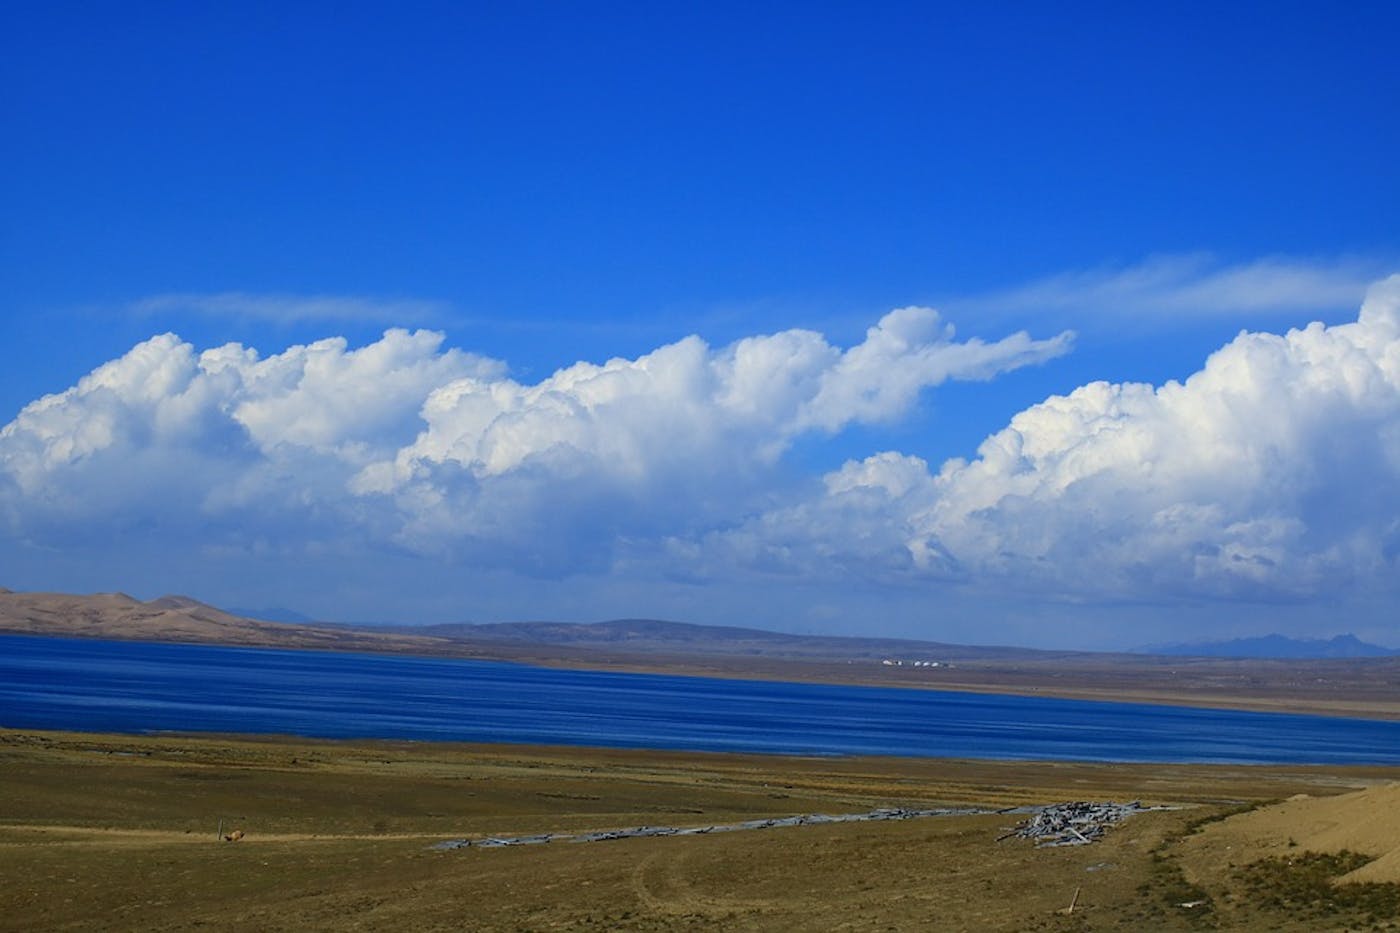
(642, 832)
(1076, 823)
(1063, 824)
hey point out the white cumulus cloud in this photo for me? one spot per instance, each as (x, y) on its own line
(166, 430)
(672, 440)
(1273, 473)
(407, 444)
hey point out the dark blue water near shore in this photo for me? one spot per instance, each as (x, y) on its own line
(79, 684)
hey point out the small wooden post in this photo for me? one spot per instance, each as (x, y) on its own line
(220, 836)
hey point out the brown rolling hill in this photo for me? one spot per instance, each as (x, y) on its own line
(121, 617)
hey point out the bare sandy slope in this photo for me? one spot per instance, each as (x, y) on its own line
(1365, 822)
(121, 617)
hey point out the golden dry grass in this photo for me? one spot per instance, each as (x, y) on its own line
(119, 832)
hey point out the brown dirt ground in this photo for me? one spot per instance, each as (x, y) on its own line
(118, 832)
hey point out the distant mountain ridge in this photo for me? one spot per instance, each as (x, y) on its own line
(1277, 646)
(180, 618)
(657, 636)
(272, 614)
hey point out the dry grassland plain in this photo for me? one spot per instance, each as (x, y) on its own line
(119, 832)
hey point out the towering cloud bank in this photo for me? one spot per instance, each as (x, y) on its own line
(1272, 473)
(672, 442)
(438, 451)
(166, 437)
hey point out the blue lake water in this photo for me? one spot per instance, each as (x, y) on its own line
(81, 684)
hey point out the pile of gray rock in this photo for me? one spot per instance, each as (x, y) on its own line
(1076, 823)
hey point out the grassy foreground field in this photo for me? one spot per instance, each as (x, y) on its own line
(119, 832)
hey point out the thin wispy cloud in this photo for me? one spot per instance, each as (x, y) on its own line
(294, 309)
(1187, 286)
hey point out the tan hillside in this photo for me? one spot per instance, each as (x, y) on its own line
(1366, 822)
(177, 619)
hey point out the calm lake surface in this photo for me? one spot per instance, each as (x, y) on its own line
(102, 686)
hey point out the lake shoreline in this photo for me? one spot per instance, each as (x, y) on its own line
(958, 681)
(1376, 698)
(149, 688)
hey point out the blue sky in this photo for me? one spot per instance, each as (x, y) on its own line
(549, 184)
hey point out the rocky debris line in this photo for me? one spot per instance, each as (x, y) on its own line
(1077, 823)
(642, 832)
